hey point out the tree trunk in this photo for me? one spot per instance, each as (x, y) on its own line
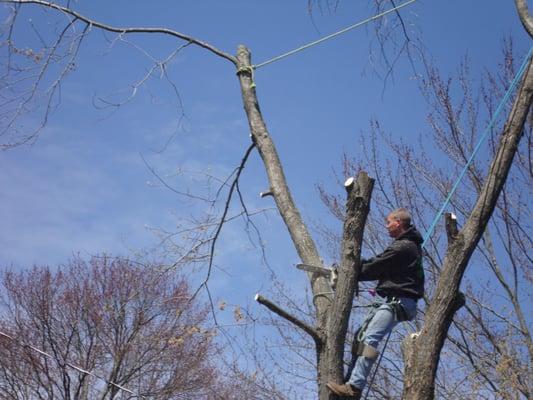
(423, 352)
(330, 332)
(525, 18)
(357, 208)
(300, 236)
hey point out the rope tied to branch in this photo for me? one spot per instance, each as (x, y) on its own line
(249, 69)
(333, 35)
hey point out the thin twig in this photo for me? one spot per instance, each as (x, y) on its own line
(115, 29)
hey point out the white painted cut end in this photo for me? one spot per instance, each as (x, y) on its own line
(349, 181)
(256, 298)
(453, 216)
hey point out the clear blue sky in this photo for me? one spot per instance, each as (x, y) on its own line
(83, 187)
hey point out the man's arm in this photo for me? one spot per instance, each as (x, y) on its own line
(376, 267)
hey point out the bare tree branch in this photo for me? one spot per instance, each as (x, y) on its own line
(525, 18)
(119, 30)
(319, 340)
(232, 189)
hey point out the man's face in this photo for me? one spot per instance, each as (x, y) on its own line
(394, 226)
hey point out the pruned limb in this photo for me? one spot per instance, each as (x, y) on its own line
(525, 18)
(291, 318)
(357, 207)
(123, 31)
(451, 226)
(266, 193)
(359, 191)
(348, 184)
(301, 238)
(459, 301)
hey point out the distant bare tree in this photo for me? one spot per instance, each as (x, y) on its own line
(109, 316)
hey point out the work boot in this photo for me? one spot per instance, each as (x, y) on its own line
(345, 390)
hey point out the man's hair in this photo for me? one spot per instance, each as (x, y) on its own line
(402, 215)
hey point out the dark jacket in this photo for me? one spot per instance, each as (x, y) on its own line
(398, 269)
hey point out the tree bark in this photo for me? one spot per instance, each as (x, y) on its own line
(332, 312)
(300, 236)
(304, 244)
(525, 18)
(423, 352)
(357, 207)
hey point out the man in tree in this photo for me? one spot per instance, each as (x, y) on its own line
(400, 277)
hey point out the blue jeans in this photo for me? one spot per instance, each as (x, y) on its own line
(381, 320)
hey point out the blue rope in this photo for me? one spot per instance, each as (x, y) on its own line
(478, 146)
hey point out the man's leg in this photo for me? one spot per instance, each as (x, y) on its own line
(380, 325)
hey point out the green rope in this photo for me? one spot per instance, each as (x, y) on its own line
(331, 36)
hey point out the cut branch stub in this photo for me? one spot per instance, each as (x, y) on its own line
(357, 207)
(266, 193)
(348, 184)
(291, 318)
(451, 226)
(359, 191)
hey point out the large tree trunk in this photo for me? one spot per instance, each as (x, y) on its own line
(423, 352)
(332, 312)
(301, 238)
(357, 208)
(299, 233)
